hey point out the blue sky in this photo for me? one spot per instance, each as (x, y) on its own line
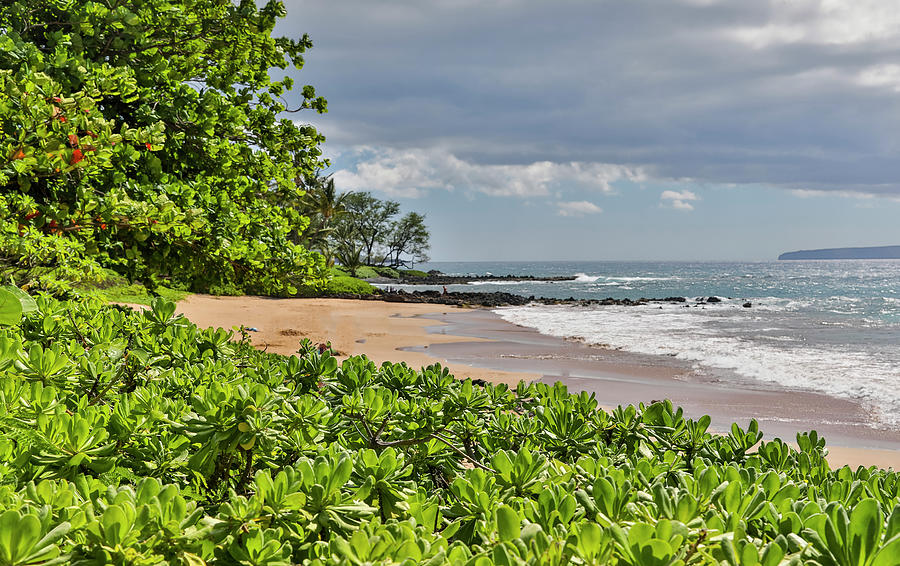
(592, 129)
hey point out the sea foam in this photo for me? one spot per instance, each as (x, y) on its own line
(749, 342)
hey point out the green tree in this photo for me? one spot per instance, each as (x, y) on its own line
(144, 135)
(372, 219)
(348, 246)
(323, 205)
(408, 236)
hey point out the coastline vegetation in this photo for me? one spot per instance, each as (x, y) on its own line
(138, 438)
(144, 156)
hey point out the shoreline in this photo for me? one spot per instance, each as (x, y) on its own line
(477, 343)
(377, 329)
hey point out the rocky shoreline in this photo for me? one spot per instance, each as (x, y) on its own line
(437, 278)
(501, 299)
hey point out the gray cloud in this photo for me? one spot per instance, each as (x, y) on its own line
(803, 94)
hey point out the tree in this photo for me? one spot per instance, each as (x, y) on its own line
(145, 135)
(408, 236)
(348, 246)
(372, 218)
(323, 205)
(367, 233)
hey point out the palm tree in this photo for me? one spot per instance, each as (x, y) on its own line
(323, 205)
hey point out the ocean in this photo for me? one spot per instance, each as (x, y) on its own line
(826, 326)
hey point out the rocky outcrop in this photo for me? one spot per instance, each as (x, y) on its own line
(437, 278)
(496, 299)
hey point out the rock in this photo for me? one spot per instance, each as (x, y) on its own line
(714, 300)
(748, 304)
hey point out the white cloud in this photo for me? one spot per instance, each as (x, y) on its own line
(678, 199)
(886, 75)
(577, 208)
(412, 172)
(822, 22)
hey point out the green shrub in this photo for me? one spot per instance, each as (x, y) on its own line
(339, 285)
(138, 438)
(413, 273)
(388, 272)
(337, 270)
(366, 272)
(112, 287)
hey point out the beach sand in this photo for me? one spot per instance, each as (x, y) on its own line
(476, 343)
(378, 329)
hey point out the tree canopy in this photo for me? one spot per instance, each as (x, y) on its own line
(145, 136)
(369, 232)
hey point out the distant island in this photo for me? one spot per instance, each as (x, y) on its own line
(878, 252)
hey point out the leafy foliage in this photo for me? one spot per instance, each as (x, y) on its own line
(135, 437)
(144, 136)
(368, 232)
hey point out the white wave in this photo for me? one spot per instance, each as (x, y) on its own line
(585, 278)
(497, 282)
(642, 278)
(694, 335)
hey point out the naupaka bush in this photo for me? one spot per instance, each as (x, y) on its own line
(136, 437)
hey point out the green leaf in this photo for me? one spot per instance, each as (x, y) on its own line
(10, 308)
(864, 530)
(29, 305)
(889, 554)
(508, 523)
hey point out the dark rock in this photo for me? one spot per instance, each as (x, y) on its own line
(714, 300)
(438, 278)
(748, 304)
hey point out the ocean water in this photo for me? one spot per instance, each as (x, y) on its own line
(827, 326)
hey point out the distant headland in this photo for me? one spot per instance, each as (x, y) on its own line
(879, 252)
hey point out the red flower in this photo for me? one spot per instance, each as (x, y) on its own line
(57, 99)
(53, 224)
(61, 119)
(102, 226)
(31, 215)
(148, 145)
(76, 157)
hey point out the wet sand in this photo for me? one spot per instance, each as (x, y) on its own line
(477, 343)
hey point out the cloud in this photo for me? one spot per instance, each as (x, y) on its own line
(799, 94)
(678, 199)
(413, 172)
(577, 208)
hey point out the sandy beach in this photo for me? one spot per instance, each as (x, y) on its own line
(394, 332)
(478, 344)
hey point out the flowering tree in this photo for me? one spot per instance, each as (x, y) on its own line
(144, 136)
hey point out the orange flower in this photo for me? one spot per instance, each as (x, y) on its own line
(73, 140)
(76, 157)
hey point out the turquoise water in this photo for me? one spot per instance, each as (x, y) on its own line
(829, 326)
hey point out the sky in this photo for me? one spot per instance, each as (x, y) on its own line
(613, 129)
